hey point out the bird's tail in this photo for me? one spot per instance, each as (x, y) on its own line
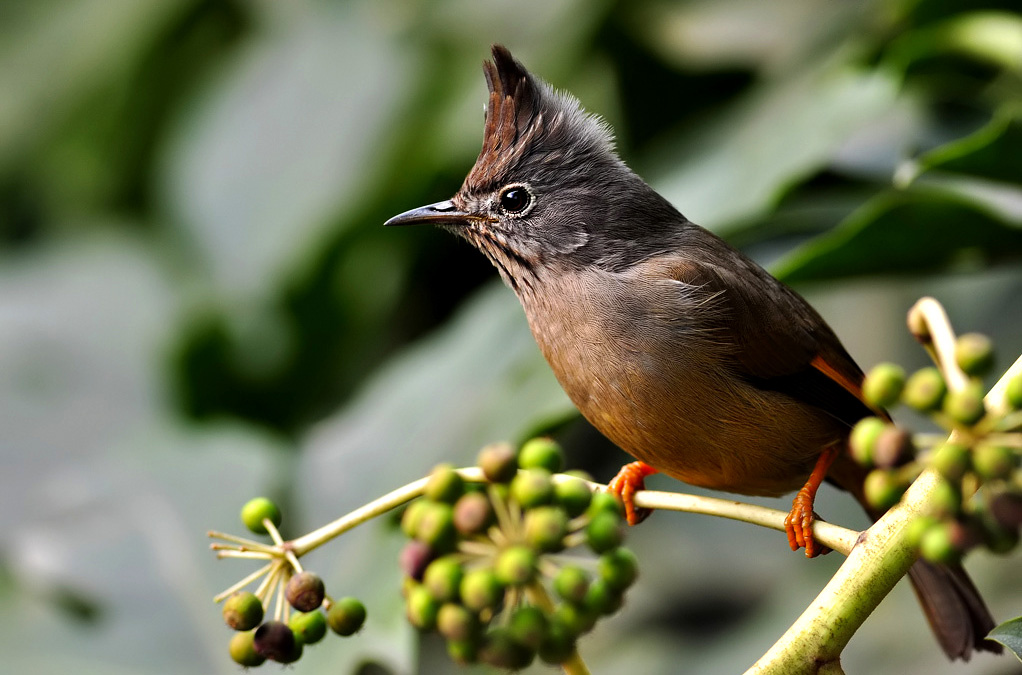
(956, 612)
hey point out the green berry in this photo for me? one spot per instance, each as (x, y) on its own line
(945, 500)
(456, 622)
(558, 644)
(576, 619)
(255, 511)
(436, 527)
(481, 590)
(422, 608)
(917, 528)
(242, 649)
(993, 462)
(443, 579)
(602, 599)
(937, 546)
(925, 390)
(605, 501)
(573, 496)
(883, 489)
(308, 627)
(974, 353)
(444, 484)
(965, 406)
(305, 591)
(541, 453)
(411, 516)
(618, 568)
(863, 439)
(532, 487)
(893, 448)
(346, 616)
(883, 385)
(571, 584)
(243, 611)
(515, 566)
(498, 462)
(1013, 393)
(952, 461)
(473, 513)
(528, 626)
(500, 650)
(463, 652)
(545, 528)
(274, 640)
(605, 532)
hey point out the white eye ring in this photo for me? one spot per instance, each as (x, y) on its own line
(516, 200)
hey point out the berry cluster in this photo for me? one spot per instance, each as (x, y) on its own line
(979, 500)
(303, 610)
(483, 565)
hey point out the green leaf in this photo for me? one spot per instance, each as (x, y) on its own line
(1009, 634)
(993, 152)
(905, 232)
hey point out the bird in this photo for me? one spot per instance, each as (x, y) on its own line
(676, 346)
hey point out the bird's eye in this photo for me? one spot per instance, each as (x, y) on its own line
(515, 200)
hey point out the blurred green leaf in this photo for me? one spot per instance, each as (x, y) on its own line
(903, 233)
(1009, 634)
(993, 152)
(992, 37)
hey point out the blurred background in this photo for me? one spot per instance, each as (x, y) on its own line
(198, 303)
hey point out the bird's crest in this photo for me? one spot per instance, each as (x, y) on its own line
(526, 119)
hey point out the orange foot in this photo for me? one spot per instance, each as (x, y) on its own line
(799, 522)
(629, 480)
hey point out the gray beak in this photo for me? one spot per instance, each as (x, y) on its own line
(444, 212)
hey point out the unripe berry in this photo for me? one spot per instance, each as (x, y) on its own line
(436, 527)
(444, 484)
(256, 510)
(499, 649)
(346, 616)
(573, 496)
(443, 579)
(917, 528)
(308, 627)
(952, 461)
(528, 626)
(993, 462)
(411, 516)
(945, 500)
(974, 353)
(965, 406)
(541, 453)
(571, 584)
(618, 568)
(242, 650)
(515, 566)
(243, 611)
(605, 501)
(545, 528)
(602, 599)
(473, 513)
(605, 532)
(883, 385)
(274, 640)
(863, 439)
(498, 462)
(305, 591)
(422, 608)
(456, 622)
(481, 590)
(558, 644)
(463, 652)
(925, 390)
(578, 619)
(893, 448)
(532, 487)
(937, 546)
(1013, 393)
(883, 489)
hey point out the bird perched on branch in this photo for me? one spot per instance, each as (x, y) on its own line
(680, 349)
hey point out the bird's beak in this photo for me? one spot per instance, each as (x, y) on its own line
(437, 214)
